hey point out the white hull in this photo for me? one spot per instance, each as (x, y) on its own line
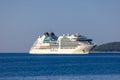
(78, 50)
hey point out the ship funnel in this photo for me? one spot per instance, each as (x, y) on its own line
(53, 36)
(46, 34)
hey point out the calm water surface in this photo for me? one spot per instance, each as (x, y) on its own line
(23, 66)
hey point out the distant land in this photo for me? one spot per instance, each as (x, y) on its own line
(107, 47)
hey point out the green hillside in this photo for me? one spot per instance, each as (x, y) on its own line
(112, 46)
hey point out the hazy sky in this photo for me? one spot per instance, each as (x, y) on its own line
(22, 21)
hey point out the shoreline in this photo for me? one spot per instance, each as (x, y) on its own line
(104, 52)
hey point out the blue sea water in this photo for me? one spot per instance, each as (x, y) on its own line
(24, 66)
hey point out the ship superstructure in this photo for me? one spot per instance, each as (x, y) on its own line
(49, 43)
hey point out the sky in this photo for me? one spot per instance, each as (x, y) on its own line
(22, 21)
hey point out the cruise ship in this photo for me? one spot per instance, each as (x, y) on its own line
(49, 43)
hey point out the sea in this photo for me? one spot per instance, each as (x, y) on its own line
(93, 66)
